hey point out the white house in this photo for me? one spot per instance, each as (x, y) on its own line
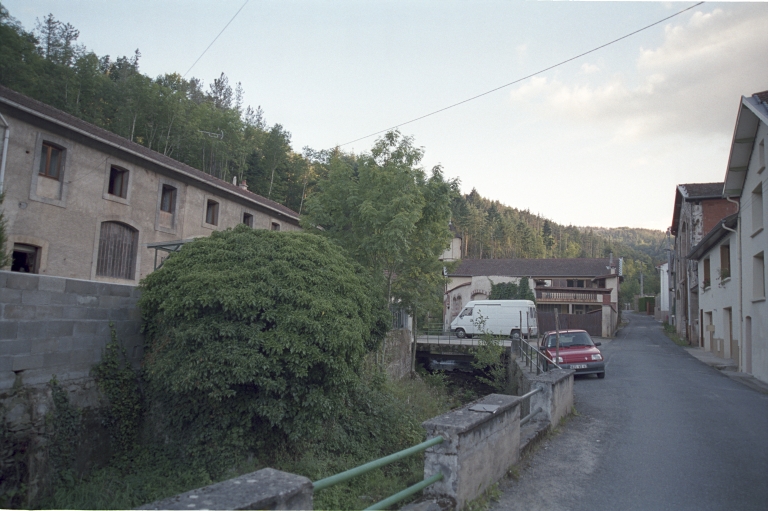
(662, 304)
(718, 261)
(745, 181)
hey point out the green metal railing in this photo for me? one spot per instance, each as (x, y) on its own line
(362, 469)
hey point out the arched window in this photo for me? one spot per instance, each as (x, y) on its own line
(118, 244)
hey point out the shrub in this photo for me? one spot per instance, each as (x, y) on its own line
(255, 336)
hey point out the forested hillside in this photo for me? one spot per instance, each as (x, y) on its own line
(492, 230)
(210, 128)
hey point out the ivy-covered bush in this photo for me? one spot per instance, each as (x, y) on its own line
(256, 336)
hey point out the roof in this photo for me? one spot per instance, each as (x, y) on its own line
(752, 112)
(693, 192)
(713, 237)
(70, 122)
(537, 268)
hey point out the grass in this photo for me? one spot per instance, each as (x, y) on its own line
(669, 330)
(152, 475)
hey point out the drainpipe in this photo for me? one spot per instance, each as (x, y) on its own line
(6, 136)
(737, 232)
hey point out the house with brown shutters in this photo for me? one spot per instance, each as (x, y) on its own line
(573, 287)
(699, 207)
(82, 202)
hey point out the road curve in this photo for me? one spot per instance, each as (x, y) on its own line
(661, 431)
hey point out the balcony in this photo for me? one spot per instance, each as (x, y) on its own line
(570, 295)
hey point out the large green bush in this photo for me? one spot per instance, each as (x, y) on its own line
(255, 336)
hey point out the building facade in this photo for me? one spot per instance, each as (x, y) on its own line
(84, 203)
(745, 181)
(717, 257)
(698, 208)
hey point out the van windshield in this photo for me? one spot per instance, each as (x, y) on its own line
(466, 312)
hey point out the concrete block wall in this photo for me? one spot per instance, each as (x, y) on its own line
(54, 325)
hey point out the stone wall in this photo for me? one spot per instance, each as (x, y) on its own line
(481, 442)
(55, 326)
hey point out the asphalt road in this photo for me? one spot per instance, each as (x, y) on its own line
(661, 431)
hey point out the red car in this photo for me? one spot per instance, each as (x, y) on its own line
(577, 351)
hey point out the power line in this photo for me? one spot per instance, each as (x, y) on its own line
(214, 39)
(523, 78)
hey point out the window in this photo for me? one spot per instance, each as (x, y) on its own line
(118, 182)
(275, 226)
(50, 160)
(118, 243)
(707, 280)
(758, 275)
(248, 220)
(168, 199)
(757, 208)
(725, 261)
(212, 212)
(25, 258)
(761, 156)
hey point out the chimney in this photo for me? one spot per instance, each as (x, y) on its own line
(244, 185)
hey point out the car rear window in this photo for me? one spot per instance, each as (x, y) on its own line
(570, 339)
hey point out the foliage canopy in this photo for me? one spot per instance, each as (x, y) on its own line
(389, 215)
(256, 331)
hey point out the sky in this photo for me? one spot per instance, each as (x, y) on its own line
(599, 141)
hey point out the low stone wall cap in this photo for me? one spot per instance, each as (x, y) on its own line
(264, 489)
(465, 418)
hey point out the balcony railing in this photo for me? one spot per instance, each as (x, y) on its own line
(560, 296)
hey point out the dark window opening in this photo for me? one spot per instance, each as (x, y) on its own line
(725, 261)
(212, 213)
(50, 161)
(25, 258)
(168, 199)
(118, 182)
(118, 244)
(275, 226)
(248, 220)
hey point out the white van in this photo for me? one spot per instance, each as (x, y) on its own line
(501, 317)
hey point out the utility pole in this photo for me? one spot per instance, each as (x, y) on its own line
(641, 284)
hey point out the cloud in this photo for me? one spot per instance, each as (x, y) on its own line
(587, 68)
(690, 84)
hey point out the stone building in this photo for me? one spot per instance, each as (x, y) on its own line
(698, 208)
(84, 203)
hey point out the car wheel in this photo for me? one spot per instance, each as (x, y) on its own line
(460, 333)
(601, 375)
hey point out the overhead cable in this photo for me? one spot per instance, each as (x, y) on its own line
(214, 39)
(523, 78)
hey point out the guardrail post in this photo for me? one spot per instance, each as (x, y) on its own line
(556, 396)
(482, 440)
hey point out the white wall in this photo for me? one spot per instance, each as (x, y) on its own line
(754, 241)
(721, 295)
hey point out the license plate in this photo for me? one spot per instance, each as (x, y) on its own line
(578, 366)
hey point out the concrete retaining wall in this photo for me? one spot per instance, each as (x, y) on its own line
(55, 326)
